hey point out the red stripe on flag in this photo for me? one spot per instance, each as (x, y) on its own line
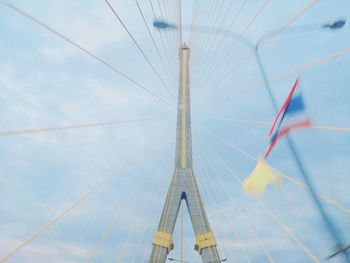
(284, 131)
(285, 105)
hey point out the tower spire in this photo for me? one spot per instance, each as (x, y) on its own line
(183, 185)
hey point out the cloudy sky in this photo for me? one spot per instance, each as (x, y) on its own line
(45, 82)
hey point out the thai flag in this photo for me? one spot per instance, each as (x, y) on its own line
(291, 116)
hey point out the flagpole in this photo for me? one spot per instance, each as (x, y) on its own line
(330, 226)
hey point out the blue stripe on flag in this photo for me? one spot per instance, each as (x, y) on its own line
(296, 105)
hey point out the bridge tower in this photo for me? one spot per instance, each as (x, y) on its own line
(183, 186)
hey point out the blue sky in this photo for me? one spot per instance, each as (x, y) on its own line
(46, 82)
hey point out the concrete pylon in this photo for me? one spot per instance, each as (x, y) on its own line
(183, 185)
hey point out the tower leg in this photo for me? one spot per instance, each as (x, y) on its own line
(205, 239)
(162, 242)
(184, 186)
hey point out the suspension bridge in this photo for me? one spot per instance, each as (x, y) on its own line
(132, 144)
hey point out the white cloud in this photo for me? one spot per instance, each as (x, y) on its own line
(56, 53)
(93, 28)
(54, 251)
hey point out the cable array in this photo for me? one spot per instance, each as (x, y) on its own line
(205, 43)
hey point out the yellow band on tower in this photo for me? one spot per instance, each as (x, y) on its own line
(205, 240)
(183, 132)
(163, 239)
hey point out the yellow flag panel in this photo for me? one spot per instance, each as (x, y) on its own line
(262, 175)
